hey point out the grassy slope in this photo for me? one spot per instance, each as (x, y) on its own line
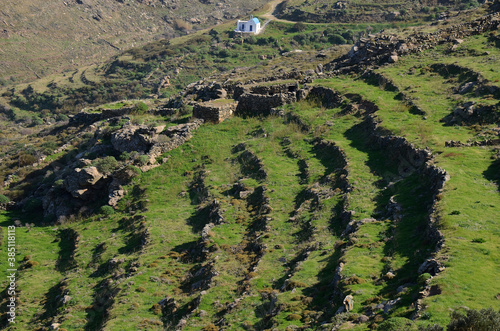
(469, 210)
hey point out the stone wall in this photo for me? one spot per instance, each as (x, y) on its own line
(386, 48)
(412, 159)
(89, 118)
(256, 104)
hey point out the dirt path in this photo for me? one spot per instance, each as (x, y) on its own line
(272, 9)
(270, 13)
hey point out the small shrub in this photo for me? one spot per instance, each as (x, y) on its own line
(25, 159)
(294, 284)
(354, 280)
(141, 108)
(107, 210)
(156, 309)
(376, 299)
(30, 264)
(182, 25)
(210, 327)
(433, 327)
(125, 156)
(396, 324)
(293, 317)
(106, 165)
(478, 240)
(4, 199)
(59, 182)
(140, 289)
(153, 265)
(337, 39)
(299, 27)
(424, 277)
(143, 160)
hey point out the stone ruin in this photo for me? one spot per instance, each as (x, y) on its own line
(214, 111)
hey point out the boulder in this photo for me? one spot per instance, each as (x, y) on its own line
(80, 180)
(393, 58)
(430, 266)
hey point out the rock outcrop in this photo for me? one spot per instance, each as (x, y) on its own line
(135, 138)
(382, 49)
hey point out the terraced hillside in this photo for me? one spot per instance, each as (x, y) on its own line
(375, 176)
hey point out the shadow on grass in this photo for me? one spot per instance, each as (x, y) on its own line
(104, 298)
(325, 291)
(493, 173)
(329, 158)
(199, 219)
(68, 240)
(406, 237)
(53, 301)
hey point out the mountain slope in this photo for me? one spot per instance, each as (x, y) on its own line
(38, 38)
(371, 173)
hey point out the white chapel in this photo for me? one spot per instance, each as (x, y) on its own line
(250, 26)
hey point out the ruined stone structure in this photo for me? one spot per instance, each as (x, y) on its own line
(214, 112)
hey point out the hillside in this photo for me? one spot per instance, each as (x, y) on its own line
(354, 11)
(38, 38)
(221, 182)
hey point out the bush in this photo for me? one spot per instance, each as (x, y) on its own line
(354, 280)
(143, 160)
(182, 25)
(424, 277)
(426, 10)
(348, 35)
(107, 210)
(62, 117)
(299, 27)
(433, 327)
(337, 39)
(125, 156)
(482, 320)
(141, 107)
(293, 317)
(4, 199)
(106, 165)
(59, 182)
(396, 324)
(25, 159)
(30, 264)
